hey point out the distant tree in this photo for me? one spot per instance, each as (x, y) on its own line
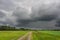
(3, 27)
(7, 28)
(22, 29)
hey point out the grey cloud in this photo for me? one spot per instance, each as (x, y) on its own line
(2, 14)
(26, 12)
(57, 23)
(25, 22)
(7, 5)
(21, 13)
(47, 13)
(47, 17)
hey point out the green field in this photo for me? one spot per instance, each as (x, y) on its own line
(46, 35)
(36, 35)
(11, 35)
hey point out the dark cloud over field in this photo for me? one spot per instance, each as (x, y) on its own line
(30, 13)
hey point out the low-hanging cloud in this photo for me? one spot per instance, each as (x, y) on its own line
(47, 17)
(24, 22)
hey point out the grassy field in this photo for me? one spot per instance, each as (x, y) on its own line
(46, 35)
(11, 35)
(36, 35)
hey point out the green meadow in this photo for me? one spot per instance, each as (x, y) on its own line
(11, 35)
(46, 35)
(36, 35)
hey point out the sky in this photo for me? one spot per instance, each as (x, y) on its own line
(30, 13)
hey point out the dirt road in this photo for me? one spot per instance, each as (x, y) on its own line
(26, 36)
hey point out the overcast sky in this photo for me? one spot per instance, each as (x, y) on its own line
(30, 13)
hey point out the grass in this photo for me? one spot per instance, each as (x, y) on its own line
(11, 35)
(36, 35)
(46, 35)
(53, 32)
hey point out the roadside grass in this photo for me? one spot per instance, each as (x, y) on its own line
(46, 35)
(52, 32)
(11, 35)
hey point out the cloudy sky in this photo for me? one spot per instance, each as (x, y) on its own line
(30, 13)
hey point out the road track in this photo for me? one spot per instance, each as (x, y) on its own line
(27, 36)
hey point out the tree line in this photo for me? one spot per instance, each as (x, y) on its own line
(23, 29)
(11, 28)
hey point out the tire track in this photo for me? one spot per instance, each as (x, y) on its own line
(26, 36)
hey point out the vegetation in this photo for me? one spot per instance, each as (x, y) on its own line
(3, 28)
(36, 35)
(7, 28)
(46, 35)
(11, 35)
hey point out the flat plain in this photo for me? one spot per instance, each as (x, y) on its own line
(30, 35)
(11, 35)
(46, 35)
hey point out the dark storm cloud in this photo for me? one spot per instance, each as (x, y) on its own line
(47, 17)
(42, 18)
(23, 22)
(28, 12)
